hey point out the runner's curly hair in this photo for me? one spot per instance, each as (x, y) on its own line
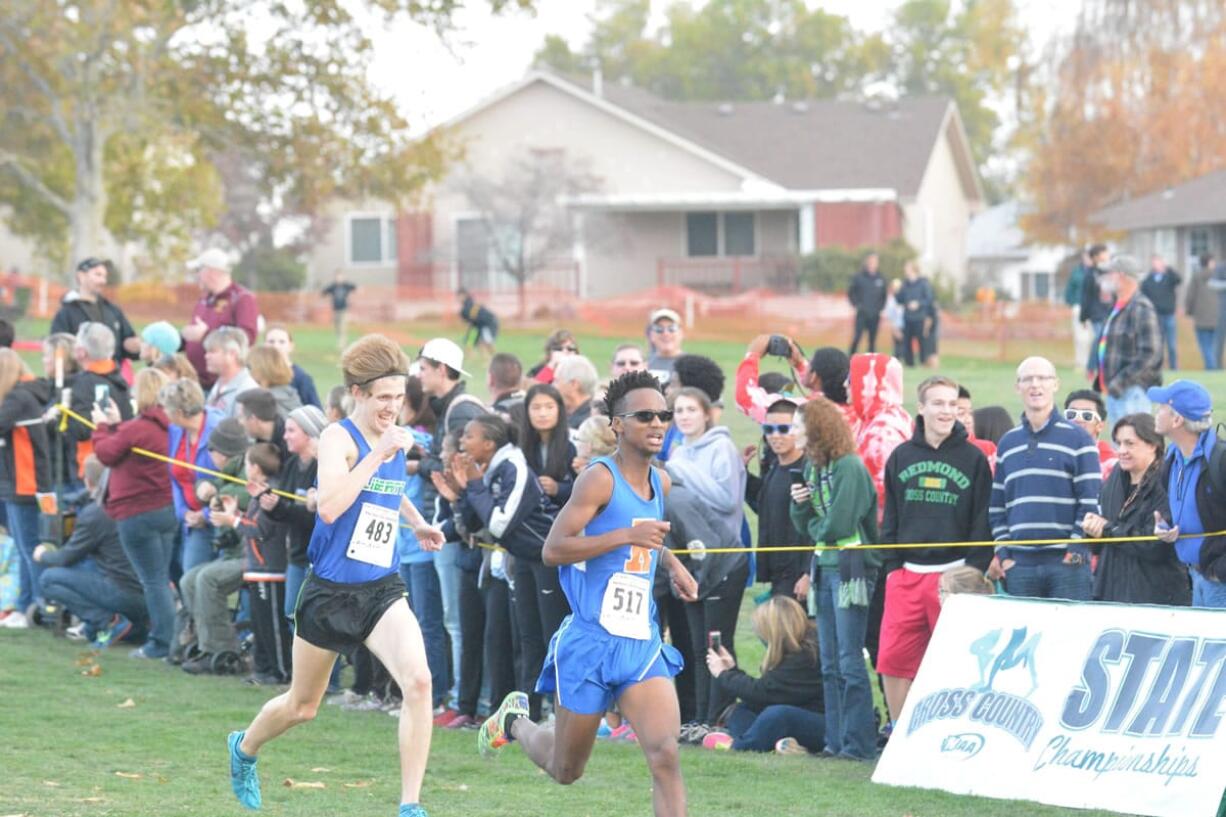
(615, 395)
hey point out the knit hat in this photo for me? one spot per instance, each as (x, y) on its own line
(161, 336)
(229, 438)
(310, 419)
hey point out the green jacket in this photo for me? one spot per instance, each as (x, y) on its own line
(842, 510)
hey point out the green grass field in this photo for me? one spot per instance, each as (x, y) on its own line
(71, 749)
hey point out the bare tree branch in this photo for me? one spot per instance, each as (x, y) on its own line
(56, 116)
(13, 162)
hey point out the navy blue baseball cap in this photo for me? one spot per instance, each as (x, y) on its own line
(1190, 400)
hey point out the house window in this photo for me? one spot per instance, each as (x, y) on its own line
(702, 234)
(372, 239)
(738, 234)
(1198, 242)
(1036, 286)
(720, 234)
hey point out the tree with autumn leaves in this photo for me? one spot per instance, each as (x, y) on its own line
(152, 119)
(1134, 105)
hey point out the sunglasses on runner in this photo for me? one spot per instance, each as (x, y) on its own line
(1084, 415)
(776, 428)
(646, 415)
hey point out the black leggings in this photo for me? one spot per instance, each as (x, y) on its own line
(674, 626)
(540, 605)
(273, 638)
(718, 611)
(485, 641)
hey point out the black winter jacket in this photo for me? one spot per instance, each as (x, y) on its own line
(74, 311)
(84, 391)
(937, 495)
(509, 504)
(867, 292)
(296, 478)
(797, 681)
(25, 453)
(1137, 572)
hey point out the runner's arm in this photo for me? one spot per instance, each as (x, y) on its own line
(339, 484)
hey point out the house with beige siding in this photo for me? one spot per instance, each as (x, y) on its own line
(713, 196)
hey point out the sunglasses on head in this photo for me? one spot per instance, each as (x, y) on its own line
(1084, 415)
(670, 329)
(776, 428)
(647, 415)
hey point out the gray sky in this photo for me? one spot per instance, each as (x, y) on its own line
(434, 81)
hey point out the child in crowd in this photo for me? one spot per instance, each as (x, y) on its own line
(264, 561)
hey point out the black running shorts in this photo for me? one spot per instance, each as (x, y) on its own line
(340, 617)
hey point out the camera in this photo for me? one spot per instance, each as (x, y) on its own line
(779, 346)
(714, 640)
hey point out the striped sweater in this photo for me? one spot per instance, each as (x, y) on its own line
(1046, 480)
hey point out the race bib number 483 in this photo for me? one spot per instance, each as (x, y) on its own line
(374, 536)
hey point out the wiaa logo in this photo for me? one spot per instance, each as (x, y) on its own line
(1006, 661)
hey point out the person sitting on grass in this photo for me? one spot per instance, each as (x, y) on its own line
(783, 709)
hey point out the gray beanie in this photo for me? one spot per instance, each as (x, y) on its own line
(310, 419)
(228, 438)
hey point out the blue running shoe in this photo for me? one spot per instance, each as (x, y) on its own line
(243, 777)
(412, 810)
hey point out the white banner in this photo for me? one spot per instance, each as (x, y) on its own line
(1085, 705)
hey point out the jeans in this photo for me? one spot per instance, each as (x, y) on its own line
(148, 539)
(754, 731)
(91, 596)
(1208, 348)
(295, 575)
(1207, 593)
(23, 527)
(866, 325)
(1170, 338)
(1044, 575)
(197, 547)
(426, 600)
(1132, 401)
(449, 584)
(717, 612)
(850, 730)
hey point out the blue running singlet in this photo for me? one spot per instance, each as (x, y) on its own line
(360, 546)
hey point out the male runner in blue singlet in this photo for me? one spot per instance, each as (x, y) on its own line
(353, 594)
(608, 541)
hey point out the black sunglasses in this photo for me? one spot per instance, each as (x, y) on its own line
(646, 415)
(776, 428)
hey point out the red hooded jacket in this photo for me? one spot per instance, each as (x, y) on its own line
(137, 484)
(875, 390)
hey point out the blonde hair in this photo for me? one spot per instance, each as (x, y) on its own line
(781, 622)
(12, 367)
(966, 579)
(177, 367)
(268, 367)
(371, 357)
(183, 397)
(146, 388)
(596, 432)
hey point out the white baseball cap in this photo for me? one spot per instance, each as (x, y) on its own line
(213, 258)
(665, 314)
(446, 352)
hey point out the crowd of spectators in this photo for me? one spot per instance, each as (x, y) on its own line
(192, 486)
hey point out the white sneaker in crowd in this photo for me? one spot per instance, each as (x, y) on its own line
(15, 620)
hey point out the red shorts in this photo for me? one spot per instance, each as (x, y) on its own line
(912, 604)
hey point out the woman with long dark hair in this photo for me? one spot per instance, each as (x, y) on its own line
(1145, 572)
(544, 437)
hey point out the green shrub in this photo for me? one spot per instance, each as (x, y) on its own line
(831, 269)
(271, 270)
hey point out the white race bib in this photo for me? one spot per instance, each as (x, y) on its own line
(375, 535)
(626, 606)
